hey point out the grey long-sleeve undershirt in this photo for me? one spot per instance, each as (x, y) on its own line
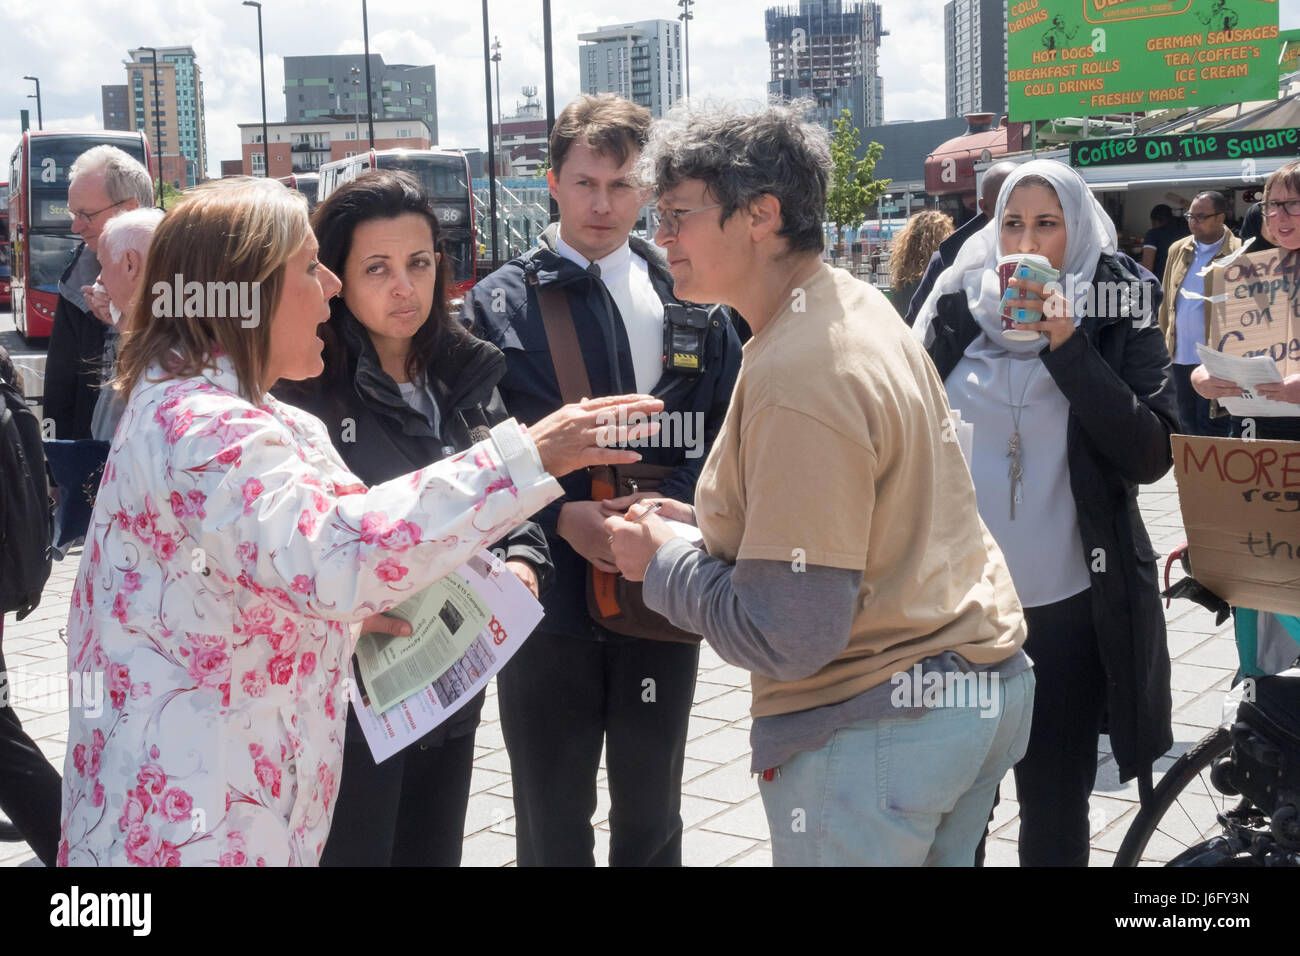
(770, 619)
(761, 615)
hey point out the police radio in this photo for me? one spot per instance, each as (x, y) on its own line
(685, 333)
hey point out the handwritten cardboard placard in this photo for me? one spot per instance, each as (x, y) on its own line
(1255, 307)
(1241, 511)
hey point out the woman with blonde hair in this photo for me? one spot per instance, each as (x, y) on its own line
(913, 248)
(1280, 210)
(230, 550)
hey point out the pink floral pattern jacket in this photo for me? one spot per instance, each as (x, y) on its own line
(228, 553)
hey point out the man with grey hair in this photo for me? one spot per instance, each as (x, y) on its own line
(845, 564)
(123, 249)
(103, 182)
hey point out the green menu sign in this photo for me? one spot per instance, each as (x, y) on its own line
(1289, 61)
(1096, 57)
(1186, 147)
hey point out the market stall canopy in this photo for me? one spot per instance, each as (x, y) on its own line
(951, 167)
(1282, 113)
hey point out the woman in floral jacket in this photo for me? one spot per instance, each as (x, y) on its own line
(230, 549)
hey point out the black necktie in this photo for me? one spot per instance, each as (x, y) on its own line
(611, 349)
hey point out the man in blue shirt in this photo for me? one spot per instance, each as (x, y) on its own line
(1185, 314)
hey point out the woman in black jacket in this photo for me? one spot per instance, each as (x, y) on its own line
(404, 384)
(1067, 424)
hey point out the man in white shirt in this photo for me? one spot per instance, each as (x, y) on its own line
(1184, 312)
(576, 686)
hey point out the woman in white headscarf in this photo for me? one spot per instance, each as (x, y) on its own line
(1066, 426)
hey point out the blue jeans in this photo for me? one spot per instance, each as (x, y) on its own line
(899, 792)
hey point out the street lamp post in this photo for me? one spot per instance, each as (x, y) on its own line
(39, 123)
(370, 112)
(492, 153)
(355, 73)
(686, 17)
(261, 65)
(496, 58)
(157, 123)
(550, 93)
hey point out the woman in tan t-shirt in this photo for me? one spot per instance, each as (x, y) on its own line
(831, 570)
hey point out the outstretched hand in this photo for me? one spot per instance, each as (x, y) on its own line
(588, 432)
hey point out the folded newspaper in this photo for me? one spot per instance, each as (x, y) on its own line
(1248, 372)
(464, 629)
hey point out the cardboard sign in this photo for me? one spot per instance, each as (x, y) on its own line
(1241, 511)
(1255, 307)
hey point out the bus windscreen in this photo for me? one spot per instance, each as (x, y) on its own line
(440, 180)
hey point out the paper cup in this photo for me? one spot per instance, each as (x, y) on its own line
(1034, 268)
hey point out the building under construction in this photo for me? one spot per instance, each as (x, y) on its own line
(828, 50)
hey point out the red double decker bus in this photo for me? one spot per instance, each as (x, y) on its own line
(304, 183)
(6, 296)
(42, 242)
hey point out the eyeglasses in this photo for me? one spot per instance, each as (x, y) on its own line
(1290, 206)
(1197, 217)
(90, 216)
(670, 220)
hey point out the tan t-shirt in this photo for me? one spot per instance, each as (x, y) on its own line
(835, 452)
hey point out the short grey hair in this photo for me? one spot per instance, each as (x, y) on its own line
(741, 156)
(124, 177)
(129, 231)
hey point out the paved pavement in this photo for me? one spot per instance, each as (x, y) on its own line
(725, 824)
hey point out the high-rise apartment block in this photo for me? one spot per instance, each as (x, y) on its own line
(828, 50)
(975, 47)
(334, 87)
(184, 133)
(639, 61)
(116, 111)
(178, 128)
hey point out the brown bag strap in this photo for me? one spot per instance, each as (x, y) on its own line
(566, 354)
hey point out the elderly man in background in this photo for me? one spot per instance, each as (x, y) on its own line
(124, 248)
(103, 182)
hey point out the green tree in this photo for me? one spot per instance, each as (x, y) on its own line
(170, 195)
(853, 188)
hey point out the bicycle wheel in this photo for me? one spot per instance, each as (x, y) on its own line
(1184, 808)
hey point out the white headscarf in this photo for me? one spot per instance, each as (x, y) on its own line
(1089, 233)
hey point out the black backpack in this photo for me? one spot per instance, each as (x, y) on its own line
(26, 520)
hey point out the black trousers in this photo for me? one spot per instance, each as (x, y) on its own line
(407, 811)
(560, 696)
(31, 792)
(1057, 774)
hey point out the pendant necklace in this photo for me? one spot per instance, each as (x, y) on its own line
(1017, 472)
